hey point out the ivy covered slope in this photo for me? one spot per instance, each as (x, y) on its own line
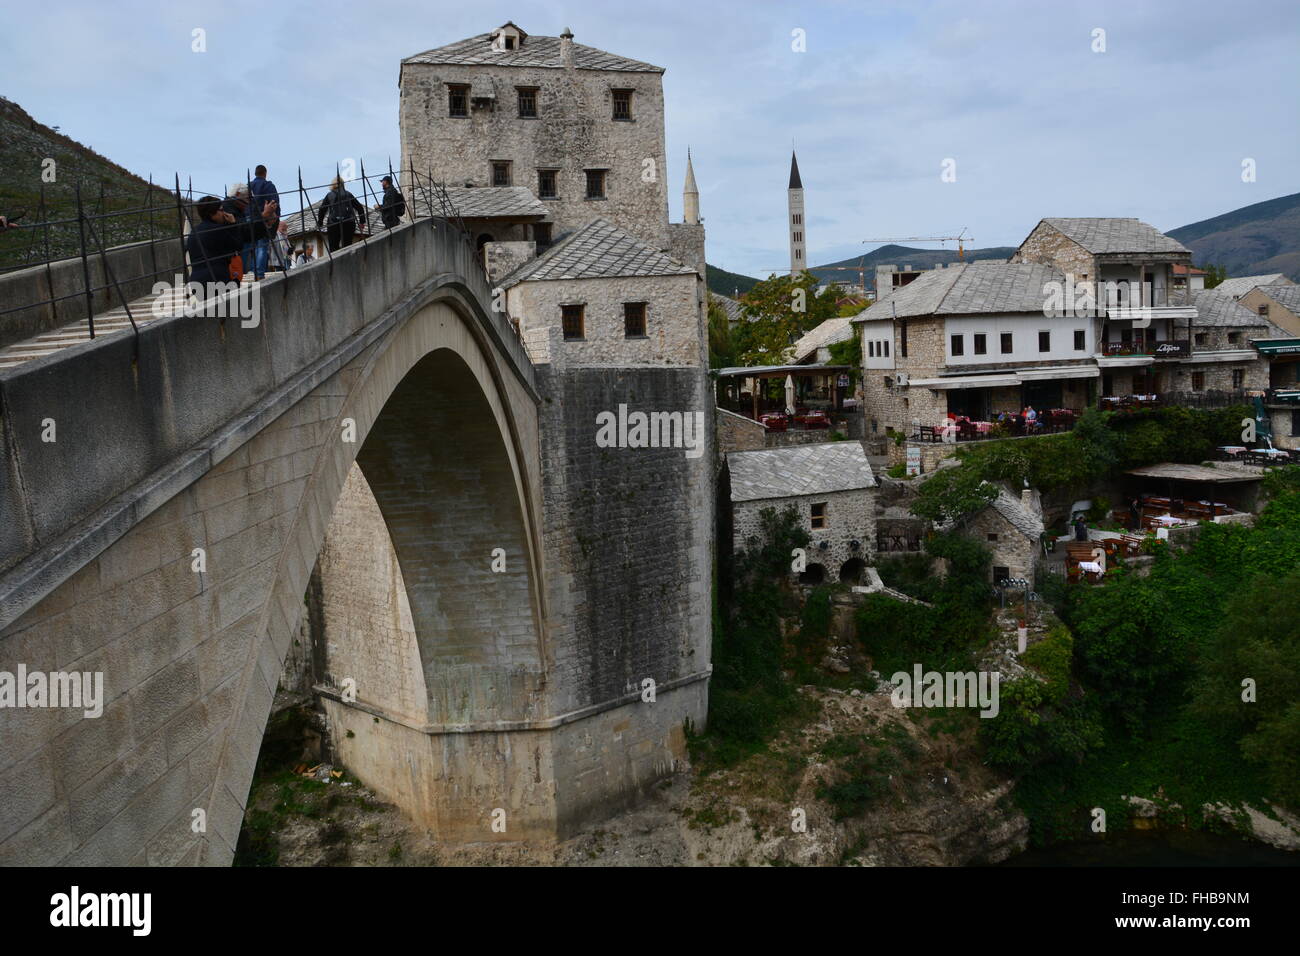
(1181, 686)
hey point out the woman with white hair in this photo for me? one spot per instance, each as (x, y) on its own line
(341, 212)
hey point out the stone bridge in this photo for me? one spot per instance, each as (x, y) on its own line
(164, 500)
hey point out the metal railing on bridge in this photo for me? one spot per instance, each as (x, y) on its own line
(77, 258)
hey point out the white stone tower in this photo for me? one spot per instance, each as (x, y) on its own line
(798, 249)
(690, 196)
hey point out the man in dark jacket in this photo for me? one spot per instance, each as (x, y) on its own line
(263, 191)
(252, 228)
(393, 207)
(341, 211)
(212, 242)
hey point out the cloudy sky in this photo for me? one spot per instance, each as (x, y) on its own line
(1037, 121)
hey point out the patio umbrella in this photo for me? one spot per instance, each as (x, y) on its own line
(1263, 428)
(789, 394)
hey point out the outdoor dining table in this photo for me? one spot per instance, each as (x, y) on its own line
(1167, 520)
(1093, 567)
(1232, 449)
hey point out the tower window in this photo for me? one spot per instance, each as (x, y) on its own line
(622, 104)
(457, 100)
(546, 187)
(634, 320)
(596, 183)
(798, 253)
(571, 321)
(500, 173)
(798, 237)
(797, 219)
(527, 101)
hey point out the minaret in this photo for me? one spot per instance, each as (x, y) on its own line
(690, 196)
(798, 254)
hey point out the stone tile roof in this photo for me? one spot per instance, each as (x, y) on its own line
(828, 333)
(536, 51)
(1215, 309)
(1023, 520)
(1239, 286)
(1287, 296)
(799, 470)
(970, 288)
(496, 202)
(599, 250)
(1108, 236)
(735, 311)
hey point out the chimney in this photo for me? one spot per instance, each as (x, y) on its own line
(566, 49)
(1029, 499)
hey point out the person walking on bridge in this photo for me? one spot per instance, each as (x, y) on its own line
(393, 206)
(341, 211)
(263, 191)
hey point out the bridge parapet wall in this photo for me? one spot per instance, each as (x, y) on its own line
(134, 413)
(43, 298)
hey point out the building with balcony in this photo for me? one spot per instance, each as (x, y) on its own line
(1086, 313)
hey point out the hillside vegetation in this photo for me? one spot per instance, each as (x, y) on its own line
(25, 147)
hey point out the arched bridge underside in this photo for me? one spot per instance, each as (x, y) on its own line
(166, 536)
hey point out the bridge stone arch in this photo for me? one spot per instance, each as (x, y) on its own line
(191, 658)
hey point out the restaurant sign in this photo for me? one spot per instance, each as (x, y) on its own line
(913, 460)
(1173, 350)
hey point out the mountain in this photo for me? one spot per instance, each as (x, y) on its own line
(1253, 240)
(722, 282)
(25, 147)
(846, 269)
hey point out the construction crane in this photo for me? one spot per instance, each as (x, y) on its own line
(860, 269)
(961, 239)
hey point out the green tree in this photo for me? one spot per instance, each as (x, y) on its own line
(1214, 275)
(953, 494)
(722, 346)
(781, 310)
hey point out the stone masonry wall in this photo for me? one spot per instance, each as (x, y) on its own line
(673, 320)
(851, 516)
(574, 131)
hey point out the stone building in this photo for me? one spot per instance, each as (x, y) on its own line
(1238, 286)
(1085, 308)
(1278, 302)
(1011, 528)
(552, 157)
(831, 487)
(579, 127)
(971, 339)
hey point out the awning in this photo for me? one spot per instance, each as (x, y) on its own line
(965, 381)
(1277, 346)
(1063, 371)
(1179, 472)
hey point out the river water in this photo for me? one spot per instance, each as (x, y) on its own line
(1162, 847)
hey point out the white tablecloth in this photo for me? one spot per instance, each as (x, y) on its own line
(1167, 520)
(1093, 567)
